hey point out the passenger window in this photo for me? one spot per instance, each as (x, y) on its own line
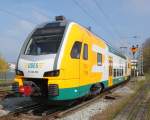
(85, 52)
(115, 73)
(122, 72)
(76, 50)
(118, 72)
(99, 59)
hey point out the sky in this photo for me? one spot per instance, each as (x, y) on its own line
(116, 21)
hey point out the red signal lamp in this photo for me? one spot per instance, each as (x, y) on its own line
(134, 49)
(26, 90)
(21, 89)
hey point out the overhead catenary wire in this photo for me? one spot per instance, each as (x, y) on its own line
(92, 18)
(84, 10)
(89, 15)
(43, 14)
(107, 18)
(16, 16)
(115, 31)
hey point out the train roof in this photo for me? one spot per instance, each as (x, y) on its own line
(110, 47)
(61, 21)
(116, 52)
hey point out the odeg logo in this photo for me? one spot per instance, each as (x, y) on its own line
(33, 65)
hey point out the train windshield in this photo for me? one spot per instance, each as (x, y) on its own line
(45, 41)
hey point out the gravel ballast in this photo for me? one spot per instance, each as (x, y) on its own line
(98, 107)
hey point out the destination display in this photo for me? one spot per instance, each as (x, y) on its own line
(46, 31)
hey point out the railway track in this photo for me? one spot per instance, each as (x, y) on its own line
(5, 89)
(3, 93)
(137, 109)
(38, 111)
(6, 84)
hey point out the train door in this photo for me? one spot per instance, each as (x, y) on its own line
(110, 78)
(84, 67)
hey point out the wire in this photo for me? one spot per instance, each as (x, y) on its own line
(43, 14)
(16, 16)
(87, 13)
(84, 10)
(107, 18)
(93, 19)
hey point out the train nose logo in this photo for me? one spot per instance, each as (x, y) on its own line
(33, 65)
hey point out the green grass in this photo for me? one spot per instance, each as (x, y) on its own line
(5, 81)
(2, 81)
(148, 95)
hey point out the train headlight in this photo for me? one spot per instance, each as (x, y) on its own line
(18, 72)
(51, 73)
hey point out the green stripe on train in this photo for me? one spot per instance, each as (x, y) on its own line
(118, 80)
(73, 93)
(76, 92)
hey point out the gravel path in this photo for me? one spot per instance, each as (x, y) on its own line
(98, 107)
(86, 113)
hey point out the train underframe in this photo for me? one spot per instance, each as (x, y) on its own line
(39, 90)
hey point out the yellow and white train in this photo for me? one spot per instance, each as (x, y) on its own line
(63, 60)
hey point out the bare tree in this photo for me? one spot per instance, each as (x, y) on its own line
(146, 54)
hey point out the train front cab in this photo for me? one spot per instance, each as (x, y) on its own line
(77, 68)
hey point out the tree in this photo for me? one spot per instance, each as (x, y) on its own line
(3, 67)
(146, 54)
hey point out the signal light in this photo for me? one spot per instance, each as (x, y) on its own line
(21, 89)
(26, 90)
(134, 49)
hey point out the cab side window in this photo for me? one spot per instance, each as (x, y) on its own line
(85, 52)
(99, 59)
(76, 50)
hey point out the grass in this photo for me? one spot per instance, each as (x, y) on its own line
(2, 81)
(113, 109)
(148, 113)
(5, 81)
(147, 91)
